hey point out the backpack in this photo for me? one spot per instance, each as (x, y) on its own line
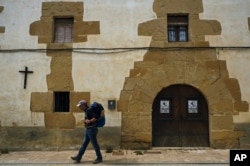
(98, 108)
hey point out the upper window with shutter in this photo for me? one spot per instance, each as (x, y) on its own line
(177, 28)
(63, 32)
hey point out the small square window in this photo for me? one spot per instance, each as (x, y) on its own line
(61, 101)
(63, 30)
(177, 28)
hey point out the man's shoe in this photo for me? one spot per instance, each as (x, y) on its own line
(75, 159)
(97, 161)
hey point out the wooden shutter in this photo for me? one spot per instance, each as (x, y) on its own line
(63, 30)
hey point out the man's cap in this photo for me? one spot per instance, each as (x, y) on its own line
(82, 102)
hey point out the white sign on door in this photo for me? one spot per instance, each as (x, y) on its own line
(192, 106)
(164, 107)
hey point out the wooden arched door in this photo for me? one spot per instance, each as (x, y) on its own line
(180, 118)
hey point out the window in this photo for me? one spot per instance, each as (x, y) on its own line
(177, 28)
(61, 101)
(63, 32)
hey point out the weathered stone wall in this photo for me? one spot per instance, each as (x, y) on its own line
(189, 64)
(245, 139)
(39, 138)
(199, 68)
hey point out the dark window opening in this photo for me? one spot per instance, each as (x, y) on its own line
(61, 101)
(63, 30)
(177, 28)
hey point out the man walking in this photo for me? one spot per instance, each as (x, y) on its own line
(90, 134)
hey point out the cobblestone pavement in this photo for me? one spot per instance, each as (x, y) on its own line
(120, 157)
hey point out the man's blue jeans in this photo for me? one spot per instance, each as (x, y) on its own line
(90, 136)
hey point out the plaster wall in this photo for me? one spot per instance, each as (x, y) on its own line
(233, 17)
(14, 99)
(238, 61)
(17, 23)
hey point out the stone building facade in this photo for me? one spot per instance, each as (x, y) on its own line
(133, 57)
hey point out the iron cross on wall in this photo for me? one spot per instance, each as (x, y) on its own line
(26, 72)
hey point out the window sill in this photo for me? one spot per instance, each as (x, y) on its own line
(60, 45)
(165, 44)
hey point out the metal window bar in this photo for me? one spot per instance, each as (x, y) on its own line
(171, 34)
(177, 28)
(61, 101)
(183, 34)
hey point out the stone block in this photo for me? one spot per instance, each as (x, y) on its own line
(248, 23)
(2, 29)
(136, 107)
(222, 106)
(75, 97)
(80, 38)
(225, 144)
(143, 137)
(158, 57)
(91, 27)
(221, 122)
(220, 135)
(41, 102)
(146, 121)
(122, 104)
(130, 83)
(128, 138)
(1, 8)
(241, 106)
(226, 138)
(244, 142)
(158, 44)
(234, 88)
(44, 39)
(146, 65)
(137, 72)
(130, 122)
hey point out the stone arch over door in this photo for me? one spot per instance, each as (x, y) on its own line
(198, 67)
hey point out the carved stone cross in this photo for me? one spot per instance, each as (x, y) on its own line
(26, 72)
